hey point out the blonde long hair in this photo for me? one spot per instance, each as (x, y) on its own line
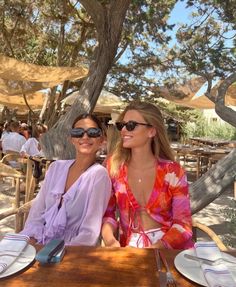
(160, 145)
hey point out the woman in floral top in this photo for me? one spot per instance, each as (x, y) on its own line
(150, 201)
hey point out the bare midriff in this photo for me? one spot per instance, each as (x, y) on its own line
(147, 221)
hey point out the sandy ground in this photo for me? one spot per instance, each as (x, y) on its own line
(212, 215)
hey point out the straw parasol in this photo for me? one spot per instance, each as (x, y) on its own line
(17, 76)
(106, 104)
(19, 79)
(192, 100)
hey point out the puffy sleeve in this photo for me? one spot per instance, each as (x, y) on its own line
(90, 227)
(180, 233)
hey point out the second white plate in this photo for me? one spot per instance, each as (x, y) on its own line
(192, 270)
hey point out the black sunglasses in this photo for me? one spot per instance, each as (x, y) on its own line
(91, 132)
(130, 125)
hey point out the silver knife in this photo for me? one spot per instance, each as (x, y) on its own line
(208, 261)
(162, 275)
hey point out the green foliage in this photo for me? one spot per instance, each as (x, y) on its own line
(144, 35)
(49, 32)
(53, 32)
(213, 130)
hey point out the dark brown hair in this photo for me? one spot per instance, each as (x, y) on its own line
(92, 117)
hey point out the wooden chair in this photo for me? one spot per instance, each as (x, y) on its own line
(20, 209)
(10, 157)
(9, 172)
(20, 213)
(193, 162)
(214, 158)
(17, 176)
(211, 234)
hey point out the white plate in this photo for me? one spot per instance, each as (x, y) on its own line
(192, 269)
(20, 262)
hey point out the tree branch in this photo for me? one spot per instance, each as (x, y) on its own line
(224, 112)
(121, 52)
(96, 11)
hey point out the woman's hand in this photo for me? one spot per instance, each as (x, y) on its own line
(32, 241)
(112, 243)
(108, 236)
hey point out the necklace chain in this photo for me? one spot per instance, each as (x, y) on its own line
(135, 168)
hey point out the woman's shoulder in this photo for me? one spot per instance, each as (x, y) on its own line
(169, 164)
(98, 168)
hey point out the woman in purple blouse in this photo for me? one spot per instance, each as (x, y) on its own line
(75, 193)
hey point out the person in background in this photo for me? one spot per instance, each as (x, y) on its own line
(5, 131)
(150, 190)
(32, 145)
(13, 142)
(75, 193)
(25, 130)
(1, 129)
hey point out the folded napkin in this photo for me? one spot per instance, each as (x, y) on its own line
(11, 244)
(217, 275)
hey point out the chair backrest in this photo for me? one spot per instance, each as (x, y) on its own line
(8, 171)
(210, 233)
(12, 159)
(20, 213)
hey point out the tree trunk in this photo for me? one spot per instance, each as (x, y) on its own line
(108, 21)
(213, 183)
(226, 113)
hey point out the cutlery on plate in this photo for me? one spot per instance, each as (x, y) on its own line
(12, 255)
(208, 261)
(170, 278)
(162, 275)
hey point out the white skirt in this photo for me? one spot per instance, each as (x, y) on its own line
(152, 236)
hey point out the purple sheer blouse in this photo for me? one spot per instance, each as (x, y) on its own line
(78, 220)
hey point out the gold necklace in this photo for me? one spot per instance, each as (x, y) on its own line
(134, 168)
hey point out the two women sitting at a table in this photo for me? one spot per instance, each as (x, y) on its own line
(150, 190)
(75, 193)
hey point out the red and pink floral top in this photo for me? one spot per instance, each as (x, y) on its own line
(168, 204)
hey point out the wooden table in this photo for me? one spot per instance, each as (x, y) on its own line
(98, 267)
(208, 141)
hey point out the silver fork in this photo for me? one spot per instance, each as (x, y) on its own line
(170, 279)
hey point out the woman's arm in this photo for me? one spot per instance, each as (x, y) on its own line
(108, 235)
(109, 227)
(180, 233)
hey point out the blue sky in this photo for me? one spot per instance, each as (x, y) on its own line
(179, 14)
